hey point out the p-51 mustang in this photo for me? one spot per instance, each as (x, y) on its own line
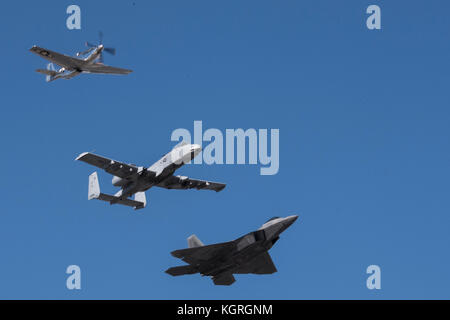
(72, 67)
(134, 180)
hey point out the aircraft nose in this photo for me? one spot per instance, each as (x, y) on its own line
(196, 147)
(291, 219)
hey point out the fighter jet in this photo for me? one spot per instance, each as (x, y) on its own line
(72, 67)
(247, 254)
(134, 180)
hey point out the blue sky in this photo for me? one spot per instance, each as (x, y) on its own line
(364, 146)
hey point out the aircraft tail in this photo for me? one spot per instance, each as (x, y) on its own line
(50, 72)
(140, 197)
(226, 279)
(139, 201)
(181, 270)
(194, 242)
(94, 187)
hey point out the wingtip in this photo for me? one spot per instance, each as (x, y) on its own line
(176, 254)
(81, 155)
(168, 271)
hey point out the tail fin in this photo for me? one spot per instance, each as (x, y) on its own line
(194, 242)
(94, 187)
(181, 270)
(140, 197)
(94, 193)
(50, 72)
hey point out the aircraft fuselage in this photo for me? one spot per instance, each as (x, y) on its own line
(157, 172)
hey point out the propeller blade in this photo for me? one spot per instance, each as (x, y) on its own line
(110, 50)
(93, 46)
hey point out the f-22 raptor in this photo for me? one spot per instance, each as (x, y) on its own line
(134, 180)
(247, 254)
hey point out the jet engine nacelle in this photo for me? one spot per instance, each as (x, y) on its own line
(118, 182)
(183, 180)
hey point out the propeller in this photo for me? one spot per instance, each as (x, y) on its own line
(92, 46)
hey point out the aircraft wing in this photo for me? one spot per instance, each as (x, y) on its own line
(101, 68)
(116, 168)
(204, 253)
(58, 58)
(179, 182)
(262, 264)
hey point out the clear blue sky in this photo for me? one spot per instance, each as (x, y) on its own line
(364, 146)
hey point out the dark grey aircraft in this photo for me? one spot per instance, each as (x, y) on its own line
(247, 254)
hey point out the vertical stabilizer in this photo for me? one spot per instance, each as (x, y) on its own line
(94, 187)
(140, 197)
(52, 72)
(194, 242)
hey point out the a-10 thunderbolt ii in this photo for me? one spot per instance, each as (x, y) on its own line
(71, 66)
(247, 254)
(134, 180)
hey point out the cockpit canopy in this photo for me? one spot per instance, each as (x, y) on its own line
(182, 143)
(272, 219)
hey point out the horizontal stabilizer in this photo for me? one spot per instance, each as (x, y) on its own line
(50, 72)
(47, 72)
(94, 193)
(181, 270)
(126, 202)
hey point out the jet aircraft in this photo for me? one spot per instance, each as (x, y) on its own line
(247, 254)
(134, 180)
